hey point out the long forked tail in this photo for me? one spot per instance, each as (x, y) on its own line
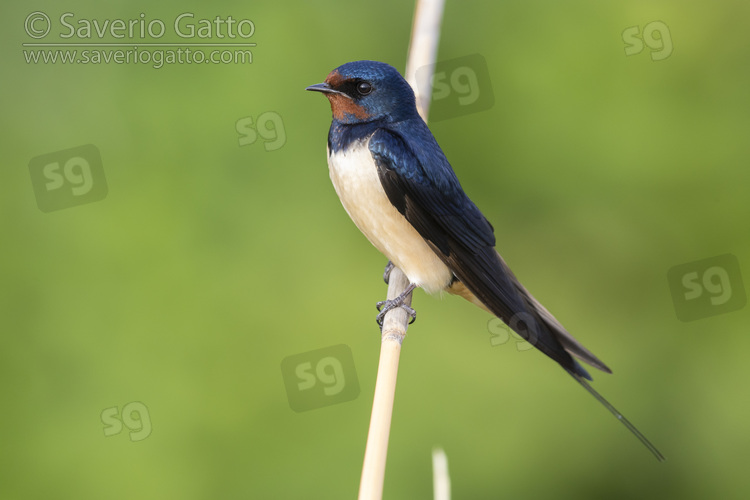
(584, 383)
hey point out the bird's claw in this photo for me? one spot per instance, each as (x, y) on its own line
(387, 273)
(386, 305)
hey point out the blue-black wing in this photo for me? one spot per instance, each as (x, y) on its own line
(421, 184)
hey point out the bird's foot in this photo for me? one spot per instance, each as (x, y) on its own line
(387, 272)
(386, 305)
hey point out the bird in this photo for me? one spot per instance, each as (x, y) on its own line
(399, 189)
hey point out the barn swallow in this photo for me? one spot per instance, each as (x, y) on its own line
(399, 189)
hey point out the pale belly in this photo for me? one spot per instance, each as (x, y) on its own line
(355, 178)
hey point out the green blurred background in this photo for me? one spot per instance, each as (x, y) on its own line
(209, 262)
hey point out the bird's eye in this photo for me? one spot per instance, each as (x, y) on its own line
(364, 88)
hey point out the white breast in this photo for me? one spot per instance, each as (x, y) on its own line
(355, 178)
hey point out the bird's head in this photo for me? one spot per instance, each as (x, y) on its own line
(364, 91)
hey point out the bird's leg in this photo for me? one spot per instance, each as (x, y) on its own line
(386, 305)
(387, 272)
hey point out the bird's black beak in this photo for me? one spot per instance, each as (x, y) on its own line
(325, 88)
